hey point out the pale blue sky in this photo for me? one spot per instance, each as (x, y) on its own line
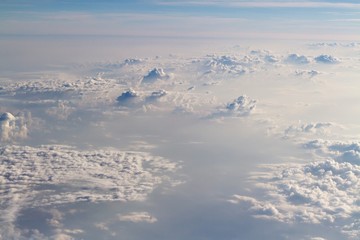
(284, 19)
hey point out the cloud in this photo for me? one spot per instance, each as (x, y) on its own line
(53, 174)
(137, 217)
(345, 152)
(257, 208)
(133, 61)
(155, 95)
(263, 4)
(239, 107)
(326, 59)
(230, 64)
(307, 73)
(297, 59)
(13, 127)
(127, 97)
(154, 75)
(309, 128)
(321, 192)
(334, 44)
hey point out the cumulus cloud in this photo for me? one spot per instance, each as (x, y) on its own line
(309, 128)
(257, 208)
(307, 73)
(133, 61)
(347, 152)
(231, 64)
(271, 59)
(320, 192)
(327, 59)
(137, 217)
(127, 97)
(13, 127)
(54, 174)
(297, 59)
(154, 75)
(239, 107)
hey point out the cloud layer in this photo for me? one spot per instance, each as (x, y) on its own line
(321, 192)
(53, 174)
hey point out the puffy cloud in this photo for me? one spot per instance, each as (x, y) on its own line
(137, 217)
(242, 105)
(62, 110)
(307, 73)
(271, 59)
(239, 107)
(232, 64)
(297, 59)
(306, 128)
(324, 58)
(352, 229)
(127, 96)
(348, 152)
(257, 208)
(132, 61)
(154, 75)
(320, 192)
(53, 174)
(13, 127)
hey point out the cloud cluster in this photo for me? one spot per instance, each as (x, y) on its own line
(54, 174)
(13, 127)
(335, 44)
(297, 59)
(239, 107)
(154, 75)
(307, 73)
(238, 64)
(127, 96)
(344, 152)
(327, 59)
(307, 128)
(321, 192)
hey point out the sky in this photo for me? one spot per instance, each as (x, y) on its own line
(179, 120)
(217, 19)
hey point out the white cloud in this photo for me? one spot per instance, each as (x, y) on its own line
(231, 64)
(154, 75)
(334, 44)
(307, 73)
(316, 128)
(347, 152)
(264, 4)
(13, 127)
(137, 217)
(127, 97)
(54, 174)
(239, 107)
(321, 192)
(255, 207)
(324, 58)
(297, 59)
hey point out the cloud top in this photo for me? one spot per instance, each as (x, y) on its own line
(320, 192)
(327, 59)
(13, 127)
(55, 174)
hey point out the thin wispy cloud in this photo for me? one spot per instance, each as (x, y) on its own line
(262, 4)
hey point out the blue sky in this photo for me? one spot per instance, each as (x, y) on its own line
(180, 18)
